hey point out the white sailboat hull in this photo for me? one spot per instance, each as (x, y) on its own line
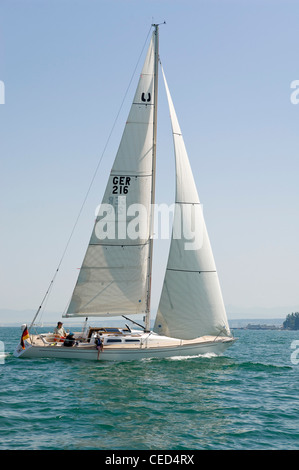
(156, 347)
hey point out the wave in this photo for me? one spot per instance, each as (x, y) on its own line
(259, 366)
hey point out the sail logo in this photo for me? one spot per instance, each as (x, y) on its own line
(2, 92)
(118, 221)
(145, 99)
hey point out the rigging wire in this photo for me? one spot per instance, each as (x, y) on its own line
(90, 186)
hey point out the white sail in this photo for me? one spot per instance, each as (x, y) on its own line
(113, 279)
(191, 303)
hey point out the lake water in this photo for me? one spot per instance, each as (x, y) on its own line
(244, 400)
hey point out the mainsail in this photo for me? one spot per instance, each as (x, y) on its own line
(114, 276)
(191, 303)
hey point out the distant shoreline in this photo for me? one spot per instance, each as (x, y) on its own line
(257, 326)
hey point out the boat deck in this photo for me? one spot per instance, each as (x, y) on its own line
(120, 341)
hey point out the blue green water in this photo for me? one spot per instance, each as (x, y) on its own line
(246, 399)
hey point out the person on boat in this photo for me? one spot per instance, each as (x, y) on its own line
(99, 344)
(59, 330)
(69, 340)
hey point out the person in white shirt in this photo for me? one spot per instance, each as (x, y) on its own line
(59, 330)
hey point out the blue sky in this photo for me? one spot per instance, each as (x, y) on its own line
(66, 66)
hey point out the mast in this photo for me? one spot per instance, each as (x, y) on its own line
(150, 263)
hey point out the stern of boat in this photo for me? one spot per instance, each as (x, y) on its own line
(20, 351)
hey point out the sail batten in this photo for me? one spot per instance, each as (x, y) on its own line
(190, 270)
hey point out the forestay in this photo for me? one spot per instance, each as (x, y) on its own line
(191, 303)
(113, 279)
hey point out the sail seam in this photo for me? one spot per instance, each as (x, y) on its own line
(120, 245)
(143, 104)
(190, 270)
(178, 202)
(119, 173)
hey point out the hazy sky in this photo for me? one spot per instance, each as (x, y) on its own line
(66, 65)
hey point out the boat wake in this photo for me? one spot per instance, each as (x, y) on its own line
(209, 355)
(182, 358)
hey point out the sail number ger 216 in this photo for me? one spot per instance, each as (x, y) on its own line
(121, 184)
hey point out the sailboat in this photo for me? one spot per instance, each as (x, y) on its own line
(116, 272)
